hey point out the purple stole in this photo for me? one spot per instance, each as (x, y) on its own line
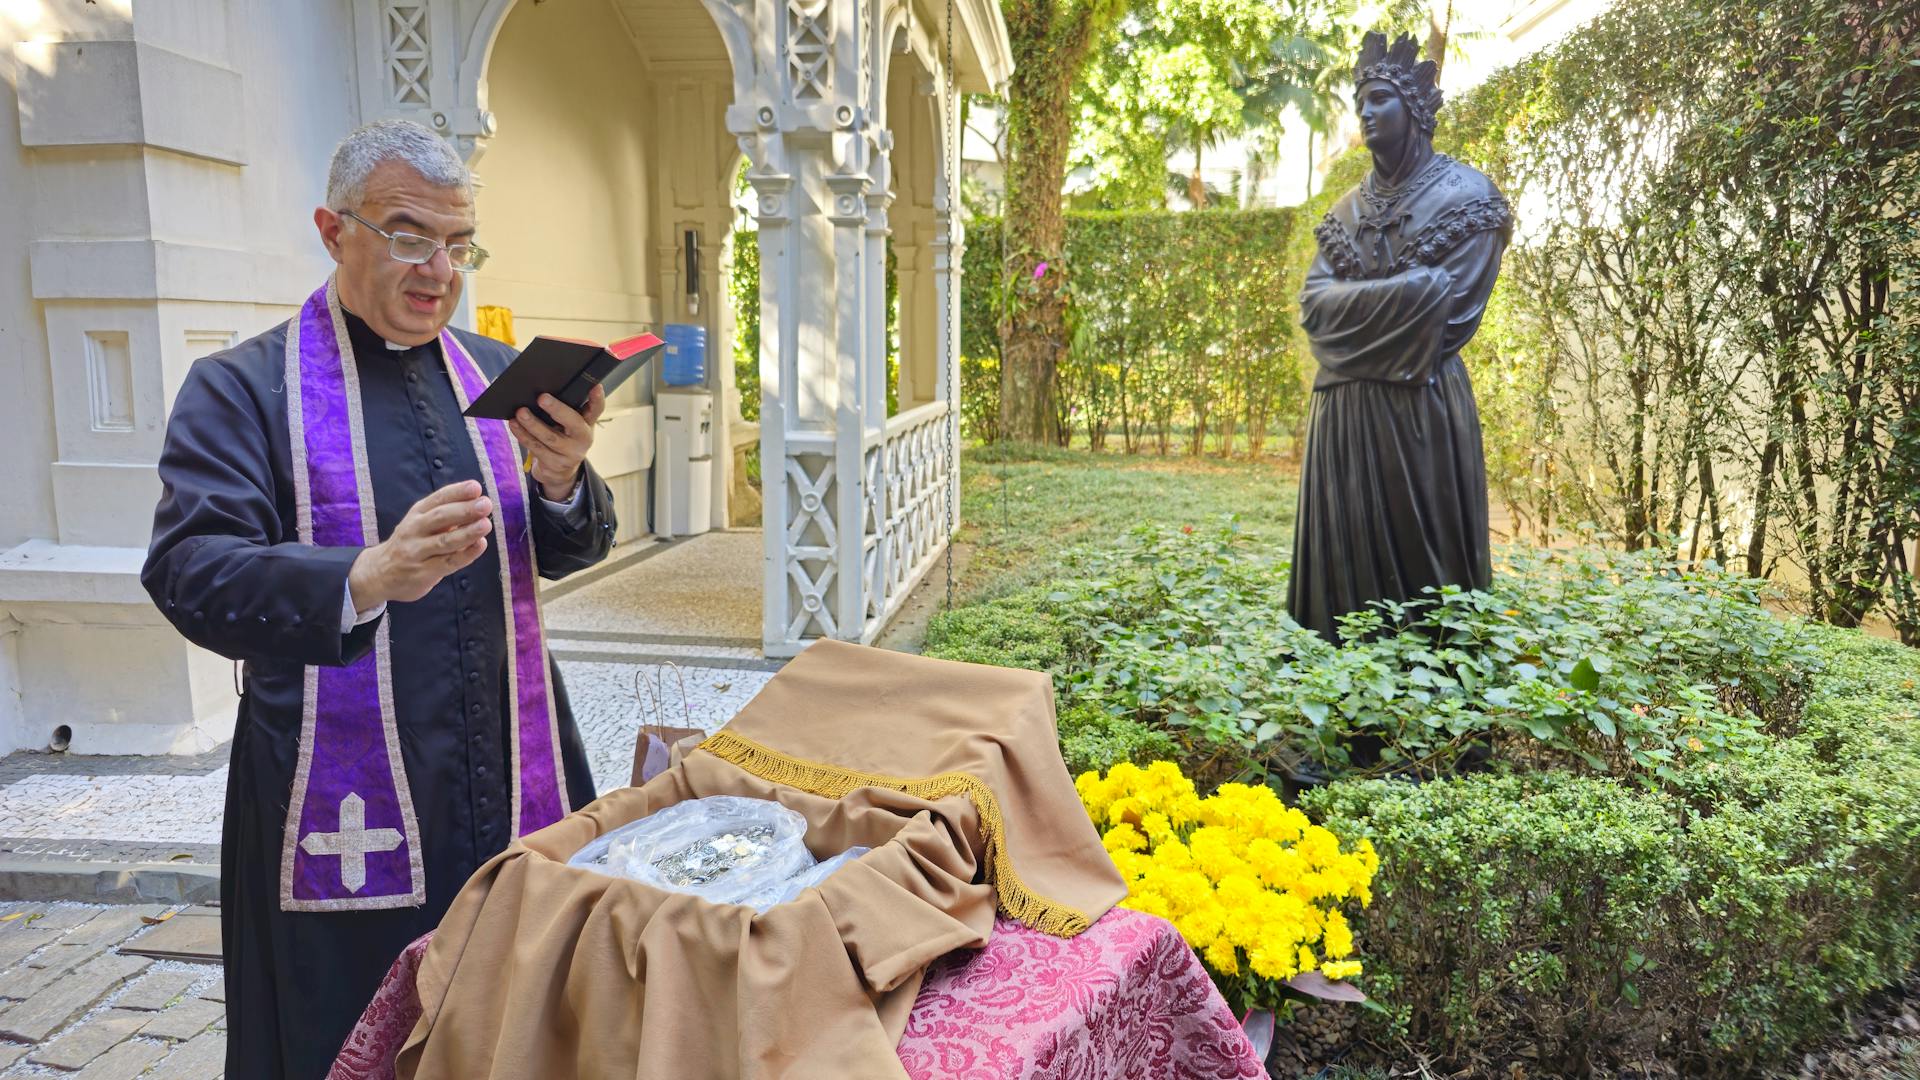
(351, 840)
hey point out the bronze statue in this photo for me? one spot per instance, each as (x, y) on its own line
(1393, 493)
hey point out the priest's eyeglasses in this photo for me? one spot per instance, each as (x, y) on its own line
(419, 250)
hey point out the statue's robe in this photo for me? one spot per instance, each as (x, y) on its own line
(1393, 492)
(225, 568)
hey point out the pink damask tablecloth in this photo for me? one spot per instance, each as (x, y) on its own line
(1127, 1000)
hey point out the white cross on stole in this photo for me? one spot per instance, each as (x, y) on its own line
(353, 843)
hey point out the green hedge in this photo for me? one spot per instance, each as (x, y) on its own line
(1181, 328)
(1715, 926)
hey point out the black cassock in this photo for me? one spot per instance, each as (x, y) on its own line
(1393, 492)
(227, 570)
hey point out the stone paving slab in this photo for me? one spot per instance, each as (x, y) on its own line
(16, 944)
(45, 967)
(183, 1021)
(124, 1062)
(61, 917)
(66, 956)
(156, 988)
(49, 1010)
(217, 991)
(96, 1036)
(190, 935)
(203, 1058)
(113, 925)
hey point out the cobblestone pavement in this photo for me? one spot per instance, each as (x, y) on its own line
(75, 1003)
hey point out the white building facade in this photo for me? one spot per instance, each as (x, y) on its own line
(159, 164)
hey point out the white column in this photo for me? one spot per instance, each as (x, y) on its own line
(803, 123)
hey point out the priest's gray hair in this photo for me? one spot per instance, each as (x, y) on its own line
(369, 145)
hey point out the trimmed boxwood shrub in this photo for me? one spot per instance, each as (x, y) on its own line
(1014, 631)
(1715, 925)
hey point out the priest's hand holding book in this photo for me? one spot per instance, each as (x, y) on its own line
(551, 395)
(556, 451)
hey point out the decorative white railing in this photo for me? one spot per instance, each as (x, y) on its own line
(907, 471)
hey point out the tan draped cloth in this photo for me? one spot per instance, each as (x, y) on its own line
(951, 773)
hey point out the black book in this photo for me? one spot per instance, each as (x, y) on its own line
(567, 368)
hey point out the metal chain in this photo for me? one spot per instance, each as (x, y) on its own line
(947, 157)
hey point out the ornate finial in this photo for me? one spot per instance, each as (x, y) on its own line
(1401, 66)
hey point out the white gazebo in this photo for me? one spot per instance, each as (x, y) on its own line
(168, 153)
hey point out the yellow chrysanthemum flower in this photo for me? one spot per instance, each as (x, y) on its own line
(1250, 883)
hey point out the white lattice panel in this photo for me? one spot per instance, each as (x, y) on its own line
(407, 54)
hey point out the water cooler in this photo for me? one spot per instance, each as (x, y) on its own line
(683, 444)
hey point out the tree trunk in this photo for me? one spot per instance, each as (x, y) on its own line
(1438, 28)
(1196, 187)
(1050, 43)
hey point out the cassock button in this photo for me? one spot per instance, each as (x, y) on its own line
(463, 582)
(295, 620)
(473, 676)
(479, 770)
(421, 405)
(428, 433)
(233, 616)
(438, 464)
(472, 645)
(411, 377)
(475, 710)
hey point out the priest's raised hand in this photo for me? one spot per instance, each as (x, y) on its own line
(442, 533)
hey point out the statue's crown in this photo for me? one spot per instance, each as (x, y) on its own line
(1401, 66)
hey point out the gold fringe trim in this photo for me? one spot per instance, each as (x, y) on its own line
(1015, 900)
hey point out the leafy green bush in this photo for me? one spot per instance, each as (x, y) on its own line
(1714, 926)
(1606, 661)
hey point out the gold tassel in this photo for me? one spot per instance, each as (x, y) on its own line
(1016, 901)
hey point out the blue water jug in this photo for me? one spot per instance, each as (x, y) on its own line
(685, 362)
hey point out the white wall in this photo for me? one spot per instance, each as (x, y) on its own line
(565, 206)
(160, 161)
(567, 181)
(26, 436)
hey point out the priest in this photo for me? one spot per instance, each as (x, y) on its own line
(1393, 491)
(329, 517)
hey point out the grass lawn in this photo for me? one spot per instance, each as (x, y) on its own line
(1026, 511)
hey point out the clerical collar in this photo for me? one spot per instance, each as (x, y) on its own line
(358, 328)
